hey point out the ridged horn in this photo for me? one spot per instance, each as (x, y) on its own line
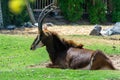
(43, 15)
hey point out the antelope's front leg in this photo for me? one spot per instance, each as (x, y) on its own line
(50, 65)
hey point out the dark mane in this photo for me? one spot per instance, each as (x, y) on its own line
(62, 43)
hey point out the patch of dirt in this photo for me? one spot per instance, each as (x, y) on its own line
(19, 31)
(115, 60)
(62, 30)
(42, 65)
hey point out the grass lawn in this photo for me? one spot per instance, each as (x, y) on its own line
(15, 57)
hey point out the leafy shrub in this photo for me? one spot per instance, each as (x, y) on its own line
(72, 9)
(116, 11)
(93, 15)
(96, 11)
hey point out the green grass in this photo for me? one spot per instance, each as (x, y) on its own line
(58, 74)
(15, 52)
(15, 57)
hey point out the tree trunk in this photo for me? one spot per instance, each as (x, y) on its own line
(30, 12)
(93, 2)
(55, 2)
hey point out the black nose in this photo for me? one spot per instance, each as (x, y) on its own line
(31, 48)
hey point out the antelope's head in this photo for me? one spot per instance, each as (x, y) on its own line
(43, 34)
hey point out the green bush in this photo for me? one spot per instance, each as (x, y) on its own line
(96, 11)
(116, 11)
(72, 9)
(93, 15)
(10, 18)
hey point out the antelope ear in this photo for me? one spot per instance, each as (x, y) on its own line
(45, 27)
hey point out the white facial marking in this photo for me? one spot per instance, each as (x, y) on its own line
(38, 38)
(39, 45)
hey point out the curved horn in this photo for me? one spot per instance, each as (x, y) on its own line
(42, 15)
(42, 12)
(41, 20)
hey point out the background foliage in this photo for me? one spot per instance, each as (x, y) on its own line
(72, 9)
(10, 18)
(96, 11)
(116, 10)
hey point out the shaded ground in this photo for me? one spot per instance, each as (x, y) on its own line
(65, 30)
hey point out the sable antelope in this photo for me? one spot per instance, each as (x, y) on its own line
(67, 54)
